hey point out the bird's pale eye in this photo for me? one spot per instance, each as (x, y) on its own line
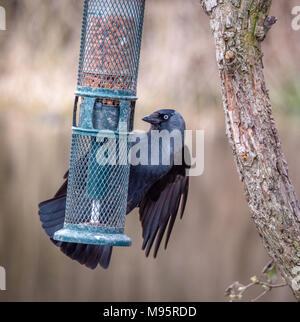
(166, 117)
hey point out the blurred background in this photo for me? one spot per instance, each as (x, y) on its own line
(216, 243)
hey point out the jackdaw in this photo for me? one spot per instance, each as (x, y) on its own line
(159, 191)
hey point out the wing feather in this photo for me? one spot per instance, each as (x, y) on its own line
(160, 206)
(52, 216)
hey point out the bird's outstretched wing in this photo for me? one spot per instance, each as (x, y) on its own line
(52, 216)
(158, 202)
(160, 206)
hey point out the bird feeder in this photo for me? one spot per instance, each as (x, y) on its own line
(106, 89)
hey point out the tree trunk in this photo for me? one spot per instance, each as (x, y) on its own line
(239, 27)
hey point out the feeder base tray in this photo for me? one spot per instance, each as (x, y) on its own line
(85, 234)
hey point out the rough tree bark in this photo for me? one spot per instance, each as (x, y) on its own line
(239, 27)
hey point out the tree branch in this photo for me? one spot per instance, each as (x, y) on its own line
(267, 282)
(239, 27)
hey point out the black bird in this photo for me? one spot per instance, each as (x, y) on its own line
(157, 190)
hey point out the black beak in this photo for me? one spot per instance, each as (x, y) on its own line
(152, 119)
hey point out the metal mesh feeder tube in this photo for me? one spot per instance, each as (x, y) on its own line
(107, 80)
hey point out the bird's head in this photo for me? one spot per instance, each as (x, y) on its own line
(165, 120)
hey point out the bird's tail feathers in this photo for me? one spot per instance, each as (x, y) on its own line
(52, 216)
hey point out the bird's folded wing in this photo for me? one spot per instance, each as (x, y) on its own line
(159, 207)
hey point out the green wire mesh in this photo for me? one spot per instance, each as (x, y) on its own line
(110, 45)
(95, 183)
